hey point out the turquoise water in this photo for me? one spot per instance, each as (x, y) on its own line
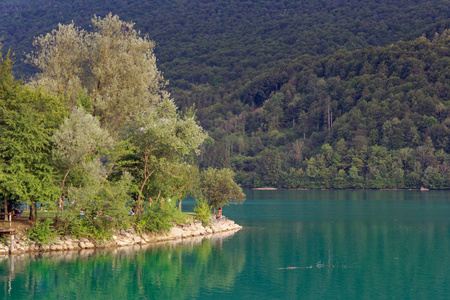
(294, 245)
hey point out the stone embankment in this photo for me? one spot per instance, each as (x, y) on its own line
(127, 237)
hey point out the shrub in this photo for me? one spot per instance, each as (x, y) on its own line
(42, 232)
(203, 211)
(159, 217)
(104, 207)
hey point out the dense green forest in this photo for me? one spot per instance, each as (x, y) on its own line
(293, 94)
(373, 118)
(207, 48)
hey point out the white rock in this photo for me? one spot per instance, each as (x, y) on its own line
(176, 232)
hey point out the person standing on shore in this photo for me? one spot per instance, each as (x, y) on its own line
(60, 204)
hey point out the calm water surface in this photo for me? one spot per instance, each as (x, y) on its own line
(294, 245)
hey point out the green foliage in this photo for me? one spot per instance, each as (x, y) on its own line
(203, 211)
(99, 228)
(269, 167)
(210, 48)
(338, 111)
(77, 142)
(162, 141)
(334, 118)
(42, 231)
(159, 217)
(28, 118)
(219, 187)
(94, 169)
(176, 181)
(103, 203)
(113, 66)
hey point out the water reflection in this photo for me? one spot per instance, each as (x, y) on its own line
(167, 270)
(294, 244)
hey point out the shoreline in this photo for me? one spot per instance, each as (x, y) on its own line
(121, 238)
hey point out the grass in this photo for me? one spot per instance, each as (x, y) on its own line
(22, 222)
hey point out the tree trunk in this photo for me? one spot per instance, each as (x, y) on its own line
(138, 211)
(5, 207)
(35, 212)
(179, 205)
(328, 116)
(31, 212)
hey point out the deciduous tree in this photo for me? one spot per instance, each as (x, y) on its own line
(77, 141)
(113, 65)
(219, 187)
(162, 139)
(28, 119)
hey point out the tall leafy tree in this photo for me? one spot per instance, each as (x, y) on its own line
(112, 73)
(113, 65)
(28, 119)
(219, 187)
(77, 142)
(162, 139)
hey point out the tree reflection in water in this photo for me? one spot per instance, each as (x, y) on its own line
(169, 270)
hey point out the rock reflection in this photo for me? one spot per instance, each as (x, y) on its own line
(171, 269)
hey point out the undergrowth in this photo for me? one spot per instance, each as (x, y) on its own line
(42, 231)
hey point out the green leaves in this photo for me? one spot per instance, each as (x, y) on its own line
(219, 187)
(28, 120)
(42, 232)
(113, 66)
(79, 138)
(162, 141)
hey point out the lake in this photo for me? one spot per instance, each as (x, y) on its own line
(294, 244)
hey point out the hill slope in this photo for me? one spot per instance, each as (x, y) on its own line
(285, 90)
(207, 48)
(378, 117)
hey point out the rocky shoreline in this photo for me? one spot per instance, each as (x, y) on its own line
(120, 238)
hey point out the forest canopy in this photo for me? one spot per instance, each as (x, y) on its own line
(309, 94)
(372, 118)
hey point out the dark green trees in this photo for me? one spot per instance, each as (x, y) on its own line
(374, 118)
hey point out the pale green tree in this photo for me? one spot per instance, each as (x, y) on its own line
(77, 142)
(298, 148)
(219, 187)
(113, 65)
(162, 139)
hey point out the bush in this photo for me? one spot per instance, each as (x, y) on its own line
(97, 229)
(93, 227)
(104, 207)
(42, 232)
(203, 212)
(159, 217)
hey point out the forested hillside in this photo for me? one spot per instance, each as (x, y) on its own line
(207, 48)
(315, 94)
(374, 118)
